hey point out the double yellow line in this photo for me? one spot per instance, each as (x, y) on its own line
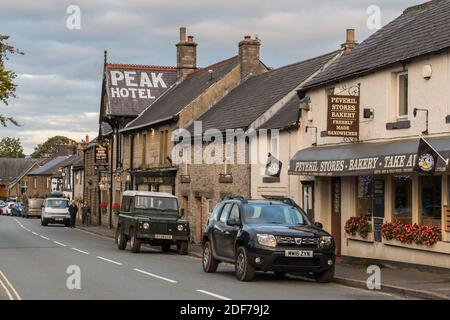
(9, 289)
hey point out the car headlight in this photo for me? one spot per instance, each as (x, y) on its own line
(326, 242)
(146, 225)
(180, 227)
(267, 240)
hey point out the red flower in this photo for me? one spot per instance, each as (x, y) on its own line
(103, 205)
(116, 205)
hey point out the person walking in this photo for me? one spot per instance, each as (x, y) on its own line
(85, 211)
(73, 210)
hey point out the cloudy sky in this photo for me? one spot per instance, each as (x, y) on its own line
(59, 76)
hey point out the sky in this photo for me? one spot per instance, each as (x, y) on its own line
(60, 73)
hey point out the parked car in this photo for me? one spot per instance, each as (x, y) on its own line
(2, 205)
(34, 207)
(55, 210)
(152, 218)
(267, 235)
(7, 208)
(17, 209)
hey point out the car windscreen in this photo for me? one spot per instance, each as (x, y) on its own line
(272, 213)
(57, 203)
(158, 203)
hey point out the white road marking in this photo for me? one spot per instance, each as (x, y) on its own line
(80, 250)
(2, 276)
(6, 290)
(44, 238)
(59, 243)
(35, 233)
(112, 261)
(155, 276)
(213, 295)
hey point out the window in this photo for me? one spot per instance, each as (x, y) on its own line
(163, 146)
(365, 196)
(402, 211)
(234, 214)
(35, 183)
(273, 143)
(431, 194)
(225, 212)
(126, 204)
(144, 149)
(228, 157)
(216, 212)
(263, 213)
(402, 95)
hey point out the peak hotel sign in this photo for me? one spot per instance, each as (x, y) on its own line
(343, 116)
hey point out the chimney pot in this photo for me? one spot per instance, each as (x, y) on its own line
(182, 34)
(350, 35)
(350, 41)
(247, 37)
(190, 39)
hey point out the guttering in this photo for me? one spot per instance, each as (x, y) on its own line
(150, 124)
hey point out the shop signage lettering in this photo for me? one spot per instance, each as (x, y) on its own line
(371, 165)
(343, 116)
(136, 84)
(101, 155)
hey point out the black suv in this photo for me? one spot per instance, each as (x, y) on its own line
(268, 235)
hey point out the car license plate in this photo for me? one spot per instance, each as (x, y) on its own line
(163, 236)
(59, 219)
(299, 253)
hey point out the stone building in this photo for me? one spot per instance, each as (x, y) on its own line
(246, 109)
(12, 170)
(397, 81)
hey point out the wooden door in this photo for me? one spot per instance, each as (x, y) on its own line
(336, 225)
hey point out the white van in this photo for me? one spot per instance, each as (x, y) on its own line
(55, 210)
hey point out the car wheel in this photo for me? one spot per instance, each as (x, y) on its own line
(44, 222)
(208, 261)
(244, 271)
(121, 240)
(165, 247)
(135, 243)
(324, 277)
(183, 247)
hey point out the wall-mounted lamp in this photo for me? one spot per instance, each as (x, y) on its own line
(415, 115)
(315, 128)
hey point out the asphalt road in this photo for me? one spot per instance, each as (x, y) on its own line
(34, 261)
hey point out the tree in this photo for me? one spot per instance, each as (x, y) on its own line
(50, 147)
(11, 148)
(7, 86)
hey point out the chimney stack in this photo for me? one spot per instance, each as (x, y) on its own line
(87, 138)
(186, 55)
(350, 41)
(249, 56)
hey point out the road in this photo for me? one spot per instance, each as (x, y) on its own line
(34, 262)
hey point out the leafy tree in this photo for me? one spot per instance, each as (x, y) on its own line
(50, 147)
(7, 86)
(11, 148)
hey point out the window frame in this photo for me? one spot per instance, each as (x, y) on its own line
(405, 116)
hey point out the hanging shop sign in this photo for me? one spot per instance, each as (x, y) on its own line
(343, 116)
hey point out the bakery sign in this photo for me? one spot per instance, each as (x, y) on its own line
(343, 116)
(389, 164)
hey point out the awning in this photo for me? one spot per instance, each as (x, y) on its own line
(364, 158)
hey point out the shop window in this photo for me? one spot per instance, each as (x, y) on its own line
(228, 157)
(402, 95)
(365, 196)
(431, 200)
(402, 211)
(272, 139)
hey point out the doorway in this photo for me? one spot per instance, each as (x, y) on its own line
(336, 228)
(308, 198)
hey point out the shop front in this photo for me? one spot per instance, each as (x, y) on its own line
(158, 180)
(375, 203)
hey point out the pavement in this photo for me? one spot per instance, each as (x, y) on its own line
(55, 262)
(405, 282)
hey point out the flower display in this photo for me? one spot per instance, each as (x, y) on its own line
(358, 225)
(116, 207)
(411, 233)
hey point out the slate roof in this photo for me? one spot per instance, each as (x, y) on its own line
(105, 128)
(183, 93)
(11, 168)
(49, 168)
(245, 103)
(420, 30)
(287, 116)
(69, 161)
(129, 106)
(79, 162)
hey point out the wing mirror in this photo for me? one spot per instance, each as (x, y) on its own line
(318, 225)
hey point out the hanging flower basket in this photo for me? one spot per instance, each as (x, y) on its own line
(358, 225)
(411, 233)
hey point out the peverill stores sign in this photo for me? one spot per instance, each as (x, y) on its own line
(390, 164)
(343, 116)
(101, 157)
